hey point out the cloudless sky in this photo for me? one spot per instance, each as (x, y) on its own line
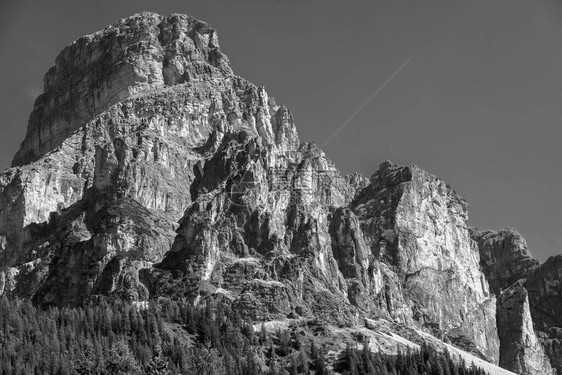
(479, 104)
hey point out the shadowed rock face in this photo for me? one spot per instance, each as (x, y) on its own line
(521, 350)
(527, 302)
(150, 169)
(544, 285)
(504, 257)
(545, 293)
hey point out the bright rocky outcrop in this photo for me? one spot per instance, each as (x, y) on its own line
(416, 223)
(150, 169)
(104, 174)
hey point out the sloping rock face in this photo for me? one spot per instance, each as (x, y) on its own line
(521, 350)
(150, 169)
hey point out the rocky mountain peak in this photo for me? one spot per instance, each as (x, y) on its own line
(137, 54)
(150, 170)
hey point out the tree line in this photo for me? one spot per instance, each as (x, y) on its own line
(426, 361)
(173, 337)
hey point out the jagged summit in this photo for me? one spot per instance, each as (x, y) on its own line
(125, 113)
(135, 55)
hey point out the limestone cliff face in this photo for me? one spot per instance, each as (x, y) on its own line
(545, 292)
(258, 233)
(521, 350)
(504, 257)
(527, 302)
(302, 243)
(544, 285)
(150, 169)
(134, 56)
(417, 224)
(111, 148)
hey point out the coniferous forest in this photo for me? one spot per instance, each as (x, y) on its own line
(172, 337)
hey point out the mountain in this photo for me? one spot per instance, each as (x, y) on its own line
(150, 170)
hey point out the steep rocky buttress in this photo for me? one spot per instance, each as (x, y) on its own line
(150, 169)
(527, 292)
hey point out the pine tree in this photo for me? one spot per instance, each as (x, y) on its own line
(120, 360)
(285, 343)
(303, 361)
(320, 364)
(313, 351)
(157, 366)
(263, 334)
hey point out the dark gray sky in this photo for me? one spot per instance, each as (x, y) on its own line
(478, 105)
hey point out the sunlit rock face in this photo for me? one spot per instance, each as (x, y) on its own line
(265, 226)
(134, 56)
(111, 148)
(150, 169)
(258, 233)
(416, 223)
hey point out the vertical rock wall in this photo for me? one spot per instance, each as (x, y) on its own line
(521, 350)
(417, 224)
